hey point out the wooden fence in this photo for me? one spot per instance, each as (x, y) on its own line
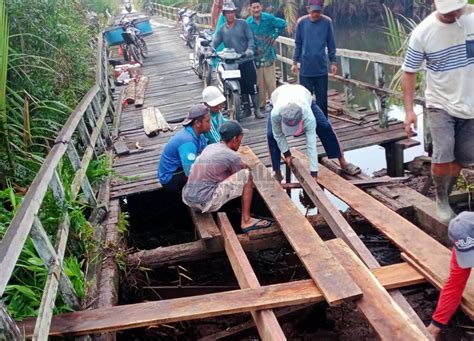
(84, 136)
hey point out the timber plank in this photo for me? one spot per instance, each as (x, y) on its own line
(384, 315)
(207, 230)
(265, 320)
(334, 282)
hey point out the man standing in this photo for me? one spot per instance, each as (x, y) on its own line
(315, 33)
(293, 106)
(219, 175)
(214, 100)
(461, 233)
(183, 148)
(445, 40)
(266, 28)
(236, 34)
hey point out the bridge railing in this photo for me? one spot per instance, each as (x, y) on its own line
(84, 136)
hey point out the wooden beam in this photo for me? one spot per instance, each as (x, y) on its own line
(334, 282)
(265, 320)
(383, 314)
(207, 230)
(8, 328)
(427, 252)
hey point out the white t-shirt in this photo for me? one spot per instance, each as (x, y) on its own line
(449, 53)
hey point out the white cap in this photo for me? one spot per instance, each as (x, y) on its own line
(212, 96)
(447, 6)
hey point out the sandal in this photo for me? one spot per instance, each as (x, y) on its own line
(351, 169)
(256, 225)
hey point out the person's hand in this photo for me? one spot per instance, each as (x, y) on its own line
(410, 119)
(294, 69)
(248, 53)
(243, 165)
(333, 69)
(289, 160)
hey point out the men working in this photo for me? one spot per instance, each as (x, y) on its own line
(461, 233)
(219, 175)
(183, 148)
(445, 39)
(314, 33)
(266, 28)
(214, 100)
(236, 34)
(293, 113)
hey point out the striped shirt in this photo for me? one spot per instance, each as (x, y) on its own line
(448, 50)
(213, 136)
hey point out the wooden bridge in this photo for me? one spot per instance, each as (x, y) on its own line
(341, 269)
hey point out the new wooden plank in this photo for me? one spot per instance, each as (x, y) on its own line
(433, 257)
(398, 275)
(207, 230)
(383, 314)
(334, 282)
(265, 320)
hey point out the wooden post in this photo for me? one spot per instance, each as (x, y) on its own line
(9, 330)
(288, 178)
(346, 73)
(381, 98)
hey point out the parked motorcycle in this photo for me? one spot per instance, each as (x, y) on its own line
(188, 27)
(201, 60)
(134, 45)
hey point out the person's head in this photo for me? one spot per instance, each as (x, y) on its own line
(232, 134)
(199, 118)
(213, 98)
(315, 9)
(228, 10)
(256, 8)
(449, 10)
(461, 233)
(292, 119)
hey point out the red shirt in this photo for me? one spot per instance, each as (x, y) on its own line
(451, 295)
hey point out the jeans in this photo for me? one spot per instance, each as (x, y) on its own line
(324, 131)
(319, 87)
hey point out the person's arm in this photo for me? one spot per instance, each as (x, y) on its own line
(311, 147)
(279, 136)
(217, 40)
(187, 154)
(249, 35)
(331, 44)
(279, 25)
(298, 47)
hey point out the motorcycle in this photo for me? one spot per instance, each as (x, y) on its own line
(188, 26)
(201, 60)
(134, 45)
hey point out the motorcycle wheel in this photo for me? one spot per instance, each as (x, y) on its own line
(234, 106)
(137, 56)
(191, 41)
(143, 48)
(125, 53)
(207, 75)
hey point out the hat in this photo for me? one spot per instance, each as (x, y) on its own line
(461, 233)
(212, 96)
(231, 129)
(196, 111)
(228, 6)
(315, 5)
(446, 6)
(292, 119)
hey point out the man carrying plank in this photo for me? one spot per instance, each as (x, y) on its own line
(219, 175)
(461, 233)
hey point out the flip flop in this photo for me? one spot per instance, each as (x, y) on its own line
(351, 169)
(255, 226)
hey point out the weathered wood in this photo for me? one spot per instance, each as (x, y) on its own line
(154, 122)
(397, 276)
(188, 308)
(129, 93)
(9, 330)
(383, 314)
(207, 230)
(120, 147)
(76, 165)
(265, 320)
(334, 282)
(377, 181)
(140, 91)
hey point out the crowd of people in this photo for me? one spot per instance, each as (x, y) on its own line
(201, 161)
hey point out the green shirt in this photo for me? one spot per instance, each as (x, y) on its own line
(213, 136)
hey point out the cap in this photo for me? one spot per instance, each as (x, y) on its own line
(292, 119)
(315, 5)
(446, 6)
(461, 233)
(228, 6)
(231, 129)
(212, 96)
(196, 111)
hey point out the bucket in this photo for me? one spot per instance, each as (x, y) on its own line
(113, 35)
(143, 24)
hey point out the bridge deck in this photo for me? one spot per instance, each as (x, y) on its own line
(173, 88)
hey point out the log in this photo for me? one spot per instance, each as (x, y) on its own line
(129, 93)
(140, 90)
(154, 122)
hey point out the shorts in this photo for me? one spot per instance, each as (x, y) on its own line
(229, 189)
(453, 138)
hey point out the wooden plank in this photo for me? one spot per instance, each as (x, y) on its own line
(398, 275)
(120, 147)
(334, 282)
(383, 314)
(187, 308)
(8, 328)
(207, 230)
(377, 181)
(150, 125)
(140, 91)
(427, 252)
(265, 320)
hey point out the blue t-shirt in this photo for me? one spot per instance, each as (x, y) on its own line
(179, 154)
(311, 40)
